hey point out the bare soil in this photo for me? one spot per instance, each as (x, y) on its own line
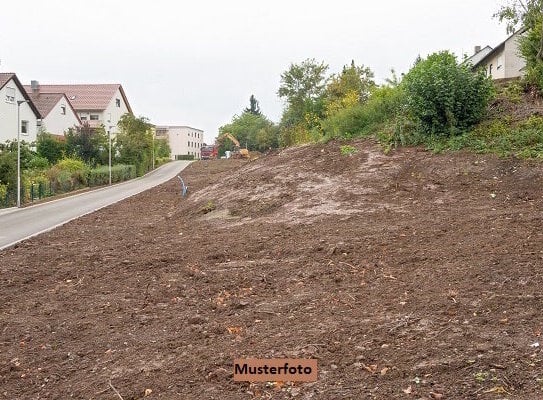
(407, 276)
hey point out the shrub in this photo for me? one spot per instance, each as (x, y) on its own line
(446, 98)
(161, 161)
(38, 163)
(3, 195)
(71, 165)
(385, 103)
(184, 157)
(119, 173)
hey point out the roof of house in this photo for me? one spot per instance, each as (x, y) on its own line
(477, 57)
(498, 48)
(92, 97)
(5, 77)
(45, 102)
(177, 127)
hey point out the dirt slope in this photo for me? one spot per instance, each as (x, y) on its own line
(407, 276)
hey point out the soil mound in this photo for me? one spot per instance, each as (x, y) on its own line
(407, 275)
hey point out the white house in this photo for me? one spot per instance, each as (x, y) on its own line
(183, 140)
(97, 104)
(504, 61)
(58, 114)
(16, 107)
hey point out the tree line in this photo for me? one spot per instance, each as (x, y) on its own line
(439, 96)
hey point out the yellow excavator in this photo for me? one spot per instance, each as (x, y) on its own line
(238, 151)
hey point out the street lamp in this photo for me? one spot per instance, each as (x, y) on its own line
(153, 151)
(109, 138)
(19, 102)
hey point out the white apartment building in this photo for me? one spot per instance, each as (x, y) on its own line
(183, 140)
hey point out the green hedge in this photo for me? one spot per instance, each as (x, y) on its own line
(119, 173)
(184, 157)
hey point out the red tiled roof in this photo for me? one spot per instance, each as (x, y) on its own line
(88, 97)
(46, 101)
(5, 77)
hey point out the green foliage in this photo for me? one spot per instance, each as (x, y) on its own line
(446, 98)
(303, 88)
(162, 149)
(253, 108)
(295, 134)
(161, 161)
(3, 194)
(38, 163)
(528, 15)
(8, 169)
(88, 144)
(71, 165)
(186, 157)
(135, 142)
(529, 45)
(8, 162)
(384, 103)
(119, 173)
(253, 131)
(347, 150)
(76, 169)
(49, 147)
(498, 136)
(351, 87)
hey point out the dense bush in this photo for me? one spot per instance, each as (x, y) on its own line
(119, 173)
(385, 103)
(161, 161)
(50, 147)
(184, 157)
(445, 97)
(77, 169)
(38, 163)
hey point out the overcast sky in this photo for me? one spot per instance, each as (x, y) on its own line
(197, 63)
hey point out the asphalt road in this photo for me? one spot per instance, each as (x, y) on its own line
(20, 224)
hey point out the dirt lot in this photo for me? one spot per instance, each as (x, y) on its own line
(409, 276)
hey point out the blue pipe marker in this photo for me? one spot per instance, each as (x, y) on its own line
(184, 189)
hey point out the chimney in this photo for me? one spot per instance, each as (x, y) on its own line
(477, 49)
(35, 86)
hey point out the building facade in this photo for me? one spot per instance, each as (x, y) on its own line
(183, 140)
(504, 61)
(16, 117)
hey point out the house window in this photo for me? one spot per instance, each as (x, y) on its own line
(94, 117)
(500, 62)
(490, 70)
(83, 117)
(24, 127)
(63, 110)
(10, 95)
(118, 102)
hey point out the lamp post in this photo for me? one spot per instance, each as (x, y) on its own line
(109, 137)
(153, 150)
(19, 102)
